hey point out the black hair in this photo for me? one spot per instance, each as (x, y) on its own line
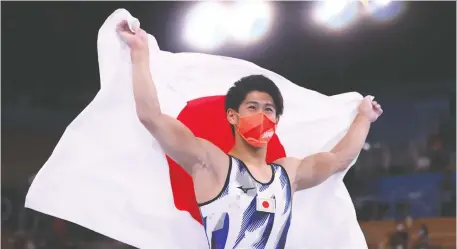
(238, 92)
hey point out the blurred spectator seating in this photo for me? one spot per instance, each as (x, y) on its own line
(442, 231)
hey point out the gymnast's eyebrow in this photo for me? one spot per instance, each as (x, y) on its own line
(266, 103)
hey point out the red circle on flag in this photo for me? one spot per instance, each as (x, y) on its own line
(265, 204)
(207, 119)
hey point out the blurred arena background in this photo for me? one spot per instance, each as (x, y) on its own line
(403, 185)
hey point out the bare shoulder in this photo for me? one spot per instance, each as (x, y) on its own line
(290, 164)
(213, 153)
(303, 173)
(216, 160)
(210, 179)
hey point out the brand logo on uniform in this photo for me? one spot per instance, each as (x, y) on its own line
(245, 190)
(267, 134)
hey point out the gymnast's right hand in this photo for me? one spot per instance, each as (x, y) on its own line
(136, 40)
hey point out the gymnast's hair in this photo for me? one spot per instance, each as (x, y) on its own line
(238, 92)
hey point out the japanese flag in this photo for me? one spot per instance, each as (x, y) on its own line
(108, 174)
(267, 205)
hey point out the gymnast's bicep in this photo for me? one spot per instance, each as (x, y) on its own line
(180, 144)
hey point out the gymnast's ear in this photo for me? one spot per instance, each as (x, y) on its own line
(232, 116)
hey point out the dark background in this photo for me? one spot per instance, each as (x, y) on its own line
(51, 46)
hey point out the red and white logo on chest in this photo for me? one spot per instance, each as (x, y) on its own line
(267, 205)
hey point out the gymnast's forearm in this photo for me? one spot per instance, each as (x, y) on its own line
(144, 91)
(176, 140)
(352, 143)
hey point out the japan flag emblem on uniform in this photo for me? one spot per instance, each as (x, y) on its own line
(267, 205)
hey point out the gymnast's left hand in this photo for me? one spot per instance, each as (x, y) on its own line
(370, 109)
(136, 40)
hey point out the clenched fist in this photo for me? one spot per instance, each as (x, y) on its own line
(136, 40)
(370, 109)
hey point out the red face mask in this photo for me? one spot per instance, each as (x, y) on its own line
(256, 129)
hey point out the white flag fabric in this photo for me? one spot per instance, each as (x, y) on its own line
(108, 174)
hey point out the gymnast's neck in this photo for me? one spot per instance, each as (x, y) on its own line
(250, 155)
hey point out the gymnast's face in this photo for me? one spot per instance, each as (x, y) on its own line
(255, 102)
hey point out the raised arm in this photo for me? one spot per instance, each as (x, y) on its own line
(175, 138)
(315, 169)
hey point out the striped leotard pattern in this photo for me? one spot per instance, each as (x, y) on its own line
(232, 219)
